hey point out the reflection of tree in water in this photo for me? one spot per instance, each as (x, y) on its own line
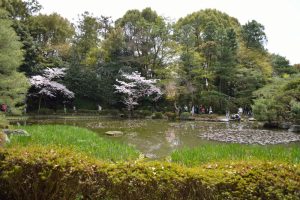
(171, 137)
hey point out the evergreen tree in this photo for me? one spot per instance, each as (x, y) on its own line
(13, 84)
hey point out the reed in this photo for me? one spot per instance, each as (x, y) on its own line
(209, 153)
(76, 138)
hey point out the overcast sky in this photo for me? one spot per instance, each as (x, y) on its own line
(281, 18)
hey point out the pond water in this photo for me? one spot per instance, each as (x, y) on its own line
(158, 138)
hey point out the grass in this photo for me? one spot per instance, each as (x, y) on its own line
(77, 139)
(236, 152)
(88, 142)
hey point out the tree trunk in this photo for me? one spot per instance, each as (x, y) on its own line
(40, 99)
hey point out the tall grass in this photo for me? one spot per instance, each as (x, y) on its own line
(236, 152)
(78, 139)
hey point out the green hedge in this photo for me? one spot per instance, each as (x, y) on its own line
(171, 115)
(185, 116)
(157, 115)
(42, 173)
(112, 112)
(142, 113)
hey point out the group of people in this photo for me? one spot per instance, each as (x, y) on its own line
(196, 109)
(99, 108)
(238, 115)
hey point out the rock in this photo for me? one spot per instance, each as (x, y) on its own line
(20, 132)
(114, 133)
(223, 120)
(295, 128)
(285, 125)
(150, 155)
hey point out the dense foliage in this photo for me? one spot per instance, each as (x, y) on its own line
(47, 173)
(279, 100)
(205, 58)
(12, 92)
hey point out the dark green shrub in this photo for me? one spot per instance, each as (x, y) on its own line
(3, 121)
(85, 111)
(61, 111)
(111, 112)
(185, 115)
(46, 111)
(85, 103)
(70, 111)
(157, 115)
(142, 113)
(212, 116)
(45, 173)
(171, 115)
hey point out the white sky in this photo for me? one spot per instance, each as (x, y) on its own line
(281, 18)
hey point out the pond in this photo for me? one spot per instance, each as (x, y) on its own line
(158, 138)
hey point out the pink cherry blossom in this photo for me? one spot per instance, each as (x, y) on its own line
(46, 86)
(136, 87)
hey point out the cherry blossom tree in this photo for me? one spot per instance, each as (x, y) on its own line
(134, 87)
(46, 85)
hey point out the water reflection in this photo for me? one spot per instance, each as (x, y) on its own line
(171, 137)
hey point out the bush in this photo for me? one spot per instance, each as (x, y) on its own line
(266, 110)
(142, 113)
(157, 115)
(84, 111)
(3, 122)
(171, 115)
(45, 173)
(45, 111)
(111, 112)
(295, 108)
(185, 116)
(3, 139)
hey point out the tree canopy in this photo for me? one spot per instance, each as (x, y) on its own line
(12, 92)
(205, 58)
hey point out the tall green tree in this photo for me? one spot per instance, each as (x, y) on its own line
(281, 66)
(52, 35)
(146, 36)
(13, 84)
(227, 60)
(254, 35)
(213, 37)
(19, 11)
(87, 40)
(88, 75)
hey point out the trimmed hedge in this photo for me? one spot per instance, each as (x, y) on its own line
(43, 173)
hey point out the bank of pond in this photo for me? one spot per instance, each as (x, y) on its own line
(58, 161)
